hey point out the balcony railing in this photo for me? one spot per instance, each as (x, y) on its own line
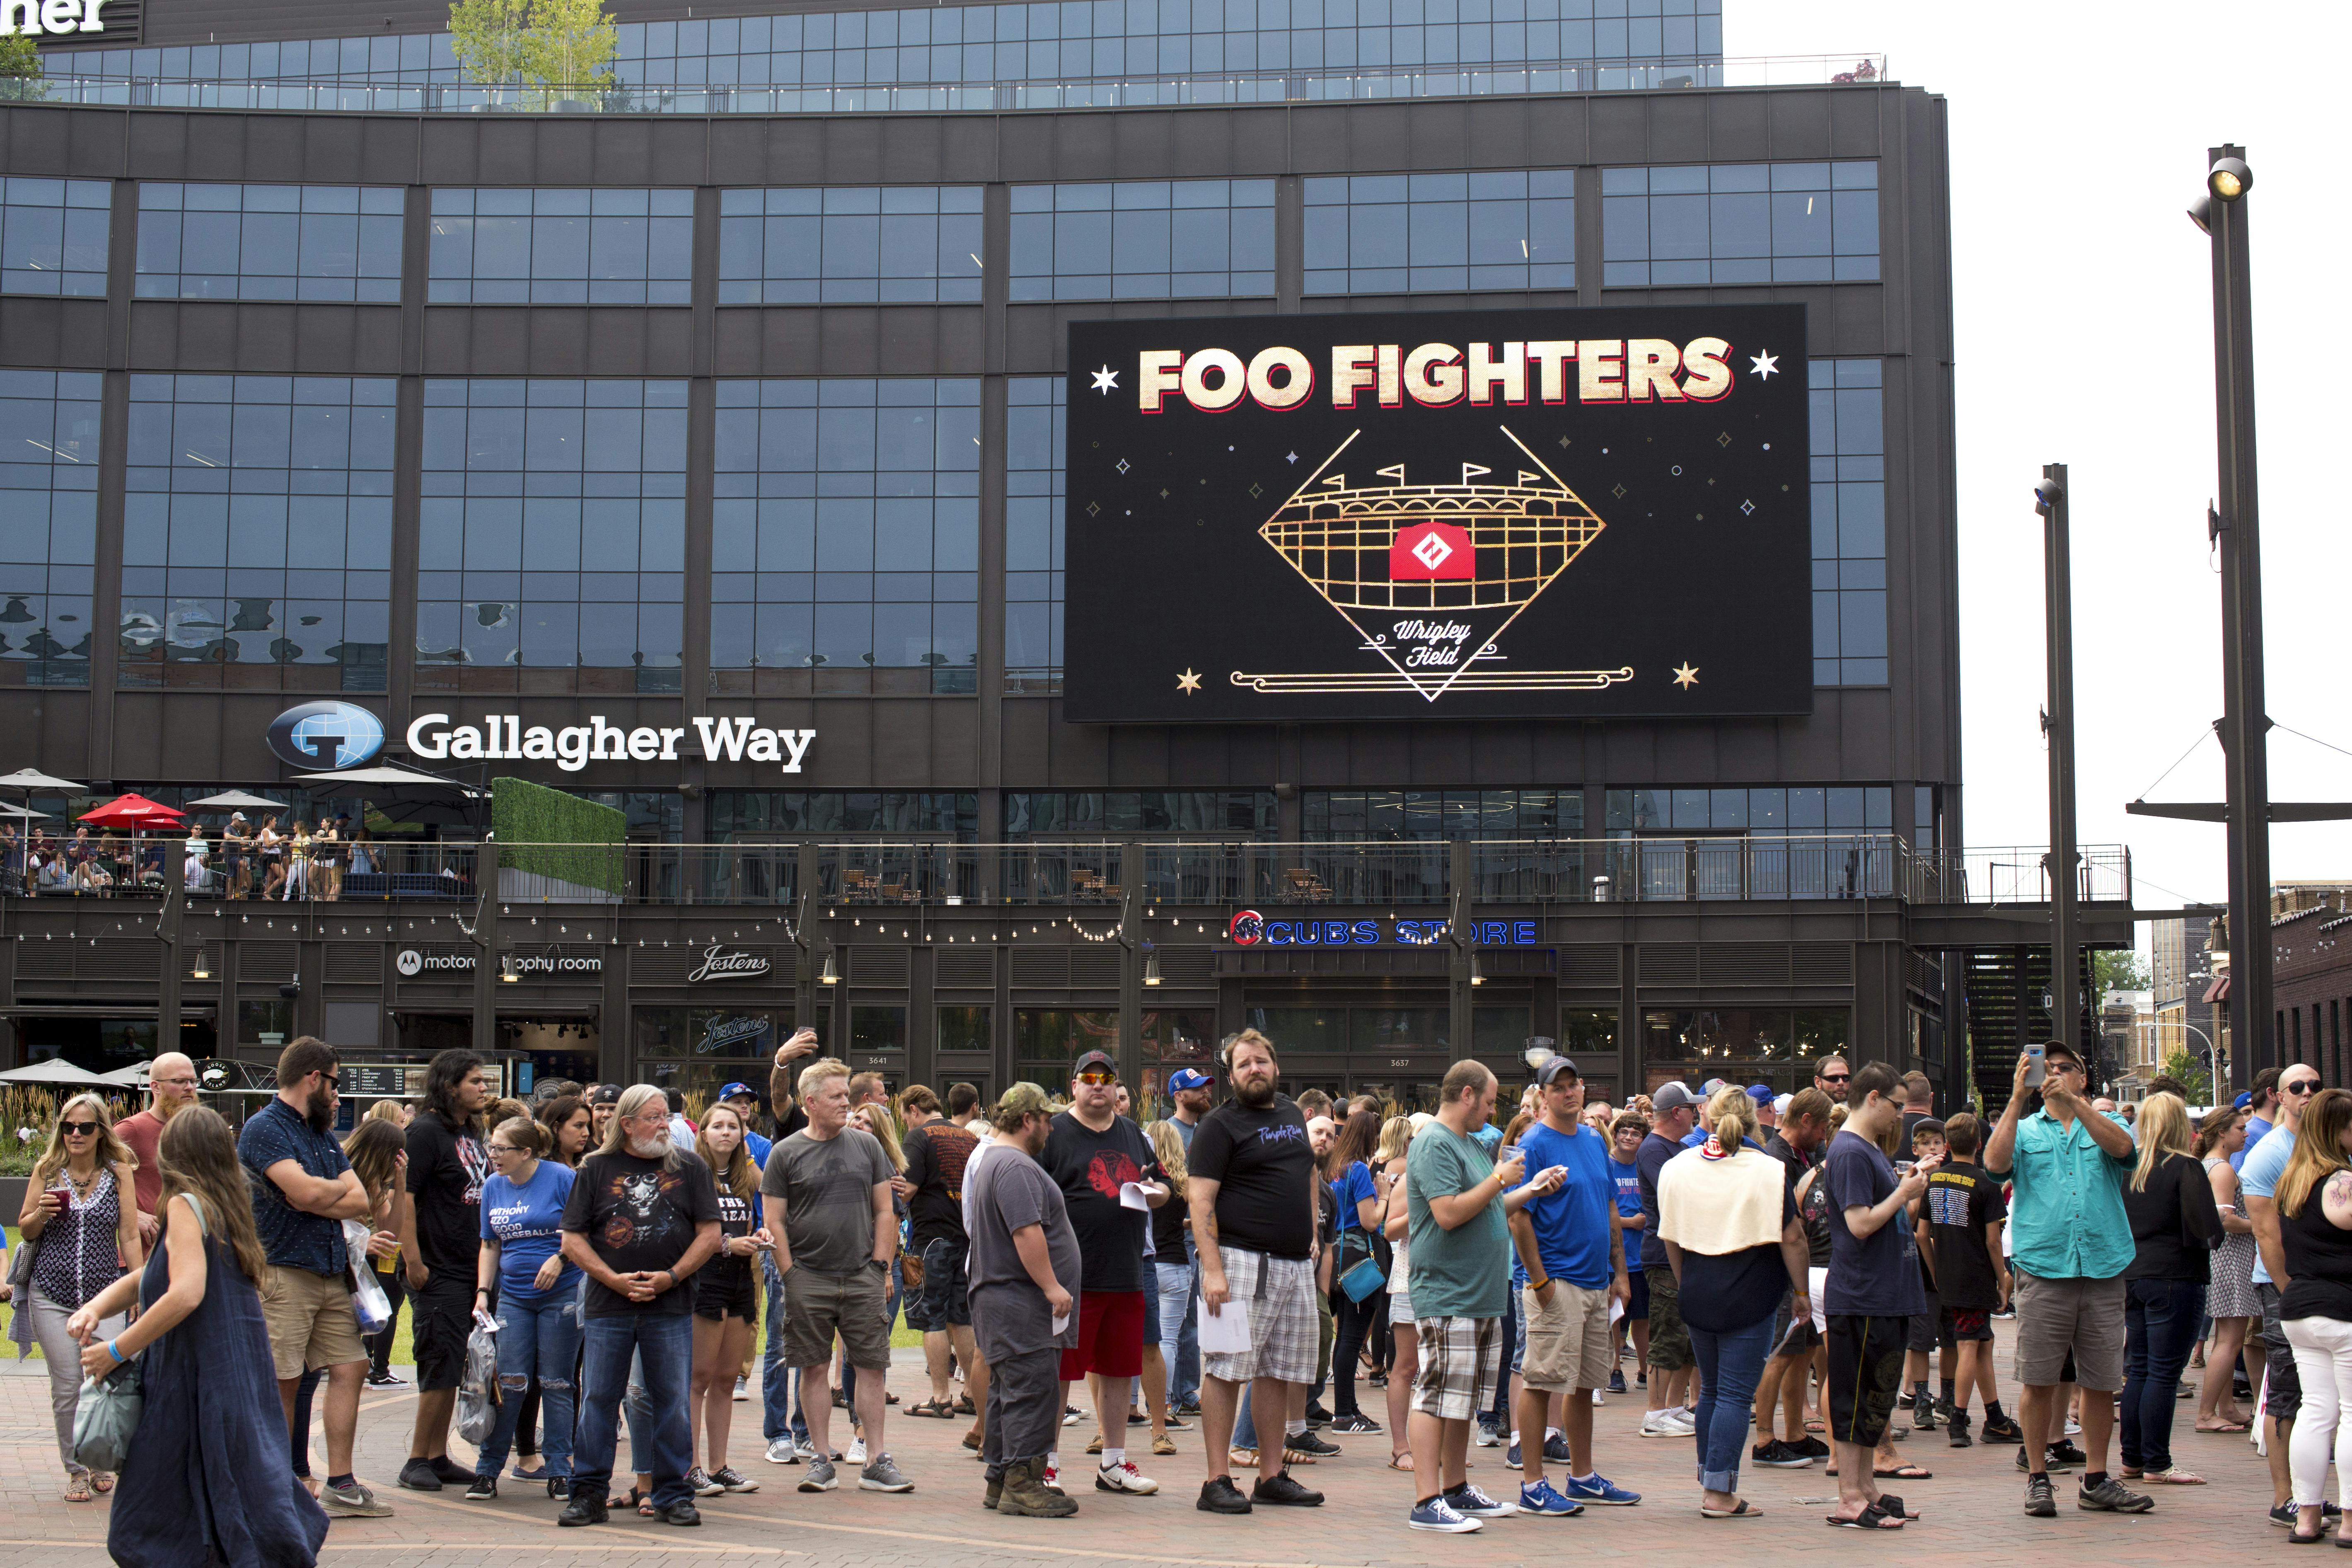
(1095, 873)
(1323, 84)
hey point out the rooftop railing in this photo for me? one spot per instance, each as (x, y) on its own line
(1325, 84)
(1101, 873)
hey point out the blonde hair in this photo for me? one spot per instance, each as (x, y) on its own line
(1731, 1116)
(524, 1133)
(739, 1177)
(110, 1150)
(2318, 1149)
(385, 1110)
(818, 1071)
(1168, 1148)
(1396, 1137)
(2163, 1131)
(885, 1130)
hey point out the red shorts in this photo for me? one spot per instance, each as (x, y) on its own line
(1110, 1336)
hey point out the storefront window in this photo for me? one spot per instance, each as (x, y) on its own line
(1821, 1030)
(1400, 1029)
(1179, 1037)
(1303, 1031)
(1588, 1032)
(1053, 1034)
(269, 1022)
(1500, 1033)
(727, 1034)
(966, 1029)
(876, 1029)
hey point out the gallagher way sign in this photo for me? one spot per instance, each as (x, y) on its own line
(1467, 514)
(501, 737)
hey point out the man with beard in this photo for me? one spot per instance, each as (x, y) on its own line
(171, 1089)
(1252, 1188)
(1025, 1273)
(303, 1189)
(1092, 1152)
(642, 1217)
(440, 1237)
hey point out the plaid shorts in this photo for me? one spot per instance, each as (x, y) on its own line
(1461, 1364)
(1285, 1327)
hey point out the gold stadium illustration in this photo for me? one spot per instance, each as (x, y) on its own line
(1429, 575)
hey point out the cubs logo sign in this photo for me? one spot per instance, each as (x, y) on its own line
(1245, 927)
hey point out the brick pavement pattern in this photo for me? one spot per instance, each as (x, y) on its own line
(1971, 1508)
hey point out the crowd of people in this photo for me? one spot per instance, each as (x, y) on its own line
(1787, 1272)
(301, 859)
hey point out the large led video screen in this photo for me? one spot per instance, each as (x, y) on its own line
(1439, 515)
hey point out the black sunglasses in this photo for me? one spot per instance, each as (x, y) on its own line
(77, 1129)
(1837, 1078)
(2301, 1086)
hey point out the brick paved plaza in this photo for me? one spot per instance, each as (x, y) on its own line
(1971, 1507)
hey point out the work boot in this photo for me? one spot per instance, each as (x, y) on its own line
(995, 1492)
(1026, 1492)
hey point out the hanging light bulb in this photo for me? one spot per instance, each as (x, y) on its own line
(1477, 975)
(826, 976)
(1151, 970)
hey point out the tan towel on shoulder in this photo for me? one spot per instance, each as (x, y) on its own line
(1721, 1206)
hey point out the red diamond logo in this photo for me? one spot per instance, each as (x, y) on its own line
(1432, 551)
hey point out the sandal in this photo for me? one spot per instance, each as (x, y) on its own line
(2223, 1426)
(1742, 1512)
(101, 1481)
(1296, 1456)
(963, 1406)
(1892, 1506)
(78, 1489)
(641, 1502)
(1870, 1518)
(1400, 1462)
(939, 1408)
(1903, 1473)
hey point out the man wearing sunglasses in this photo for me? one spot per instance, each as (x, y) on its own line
(2071, 1242)
(303, 1189)
(1093, 1153)
(2258, 1181)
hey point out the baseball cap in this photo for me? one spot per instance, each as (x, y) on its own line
(1095, 1058)
(2242, 1101)
(1190, 1077)
(1024, 1099)
(1931, 1125)
(739, 1091)
(237, 817)
(604, 1094)
(1760, 1093)
(1672, 1095)
(1780, 1105)
(1557, 1066)
(1706, 1090)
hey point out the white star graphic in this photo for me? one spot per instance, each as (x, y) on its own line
(1105, 380)
(1766, 365)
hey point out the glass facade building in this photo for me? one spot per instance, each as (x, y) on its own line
(50, 424)
(321, 242)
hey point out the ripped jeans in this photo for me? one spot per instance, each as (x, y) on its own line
(536, 1338)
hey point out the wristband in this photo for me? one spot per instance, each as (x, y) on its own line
(1541, 1283)
(673, 1278)
(114, 1350)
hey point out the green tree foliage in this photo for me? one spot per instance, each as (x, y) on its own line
(2120, 971)
(569, 45)
(2193, 1071)
(21, 75)
(488, 37)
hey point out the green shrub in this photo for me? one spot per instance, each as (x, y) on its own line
(548, 833)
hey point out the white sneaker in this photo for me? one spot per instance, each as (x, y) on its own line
(1664, 1424)
(857, 1451)
(1596, 1397)
(2073, 1428)
(1124, 1476)
(1051, 1479)
(782, 1452)
(1488, 1437)
(741, 1393)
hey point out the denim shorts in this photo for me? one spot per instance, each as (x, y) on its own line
(941, 1302)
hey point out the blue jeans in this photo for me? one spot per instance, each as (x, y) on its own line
(1174, 1281)
(536, 1338)
(607, 1347)
(780, 1405)
(2161, 1322)
(1729, 1362)
(1184, 1371)
(1500, 1418)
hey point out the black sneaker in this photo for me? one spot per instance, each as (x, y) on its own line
(559, 1489)
(585, 1509)
(2003, 1429)
(1812, 1448)
(1309, 1443)
(386, 1380)
(1283, 1490)
(1316, 1415)
(484, 1488)
(1957, 1427)
(2065, 1456)
(2111, 1496)
(1776, 1454)
(419, 1475)
(1221, 1496)
(449, 1470)
(1923, 1416)
(1902, 1400)
(2283, 1516)
(1181, 1408)
(1356, 1422)
(2041, 1502)
(1616, 1380)
(684, 1515)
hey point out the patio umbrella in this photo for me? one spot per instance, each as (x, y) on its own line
(57, 1070)
(414, 778)
(28, 779)
(27, 812)
(234, 800)
(135, 812)
(132, 1077)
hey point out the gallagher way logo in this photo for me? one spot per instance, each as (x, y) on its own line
(322, 736)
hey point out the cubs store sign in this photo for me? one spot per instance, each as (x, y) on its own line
(1249, 928)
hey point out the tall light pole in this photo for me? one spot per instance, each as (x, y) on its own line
(2058, 725)
(2236, 531)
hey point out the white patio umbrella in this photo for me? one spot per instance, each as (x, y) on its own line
(132, 1077)
(28, 779)
(232, 800)
(413, 778)
(57, 1070)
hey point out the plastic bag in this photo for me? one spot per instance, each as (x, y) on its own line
(477, 1391)
(107, 1417)
(369, 1303)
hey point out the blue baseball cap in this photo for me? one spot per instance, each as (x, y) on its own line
(739, 1091)
(1190, 1077)
(2242, 1101)
(1761, 1093)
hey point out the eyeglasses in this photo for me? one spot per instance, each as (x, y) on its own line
(77, 1129)
(506, 1149)
(1837, 1078)
(2301, 1086)
(1097, 1075)
(332, 1079)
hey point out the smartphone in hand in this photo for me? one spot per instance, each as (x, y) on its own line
(2037, 1067)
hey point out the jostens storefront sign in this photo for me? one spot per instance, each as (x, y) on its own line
(1487, 514)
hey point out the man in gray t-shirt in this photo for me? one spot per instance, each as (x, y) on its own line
(1024, 1271)
(827, 1203)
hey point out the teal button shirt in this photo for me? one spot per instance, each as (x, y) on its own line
(2066, 1220)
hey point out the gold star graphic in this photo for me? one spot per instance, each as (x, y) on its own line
(1685, 676)
(1188, 682)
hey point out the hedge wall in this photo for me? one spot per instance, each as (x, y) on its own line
(548, 833)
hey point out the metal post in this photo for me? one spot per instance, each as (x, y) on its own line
(170, 927)
(2058, 723)
(2245, 719)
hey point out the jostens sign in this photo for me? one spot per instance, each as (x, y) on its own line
(1482, 514)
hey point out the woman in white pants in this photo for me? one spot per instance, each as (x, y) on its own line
(2315, 1208)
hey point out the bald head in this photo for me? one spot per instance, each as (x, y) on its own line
(171, 1085)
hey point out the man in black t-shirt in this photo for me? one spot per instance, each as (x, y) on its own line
(1250, 1183)
(441, 1238)
(1797, 1144)
(1959, 1235)
(1094, 1154)
(642, 1217)
(935, 1295)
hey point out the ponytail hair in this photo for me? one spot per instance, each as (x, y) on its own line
(527, 1133)
(1731, 1116)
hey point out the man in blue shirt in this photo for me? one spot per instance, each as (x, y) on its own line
(1571, 1266)
(2263, 1100)
(303, 1189)
(2258, 1181)
(2070, 1241)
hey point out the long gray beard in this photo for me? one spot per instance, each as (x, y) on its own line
(654, 1148)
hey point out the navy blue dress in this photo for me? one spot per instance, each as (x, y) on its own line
(206, 1479)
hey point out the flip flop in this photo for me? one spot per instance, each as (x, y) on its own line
(1400, 1462)
(1870, 1517)
(1903, 1473)
(1892, 1506)
(1742, 1512)
(2225, 1427)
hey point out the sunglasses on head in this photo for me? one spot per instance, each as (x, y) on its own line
(77, 1129)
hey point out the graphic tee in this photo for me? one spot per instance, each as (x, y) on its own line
(446, 1168)
(937, 1155)
(1263, 1164)
(726, 1273)
(1089, 1166)
(527, 1222)
(639, 1215)
(1628, 1177)
(1961, 1201)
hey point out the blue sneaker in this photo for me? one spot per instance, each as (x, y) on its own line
(1617, 1380)
(1469, 1501)
(1599, 1488)
(1511, 1454)
(1556, 1448)
(1437, 1514)
(1540, 1499)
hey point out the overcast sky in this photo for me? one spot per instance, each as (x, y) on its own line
(2084, 312)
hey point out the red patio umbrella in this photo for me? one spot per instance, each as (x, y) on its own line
(135, 812)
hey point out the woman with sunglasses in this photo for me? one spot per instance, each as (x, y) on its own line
(86, 1236)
